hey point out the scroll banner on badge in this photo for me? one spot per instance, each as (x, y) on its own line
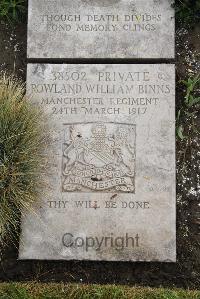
(101, 185)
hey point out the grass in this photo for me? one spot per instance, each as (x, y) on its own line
(187, 11)
(190, 105)
(22, 140)
(13, 11)
(78, 291)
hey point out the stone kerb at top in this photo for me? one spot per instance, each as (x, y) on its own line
(139, 29)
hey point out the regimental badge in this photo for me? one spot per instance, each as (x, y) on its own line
(99, 157)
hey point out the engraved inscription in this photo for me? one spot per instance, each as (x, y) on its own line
(99, 157)
(140, 22)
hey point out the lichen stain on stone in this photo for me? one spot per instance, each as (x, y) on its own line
(40, 70)
(101, 3)
(113, 196)
(136, 254)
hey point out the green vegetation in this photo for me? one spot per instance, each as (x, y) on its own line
(192, 85)
(12, 10)
(75, 291)
(21, 143)
(191, 101)
(187, 11)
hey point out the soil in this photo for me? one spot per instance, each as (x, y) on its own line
(13, 49)
(186, 272)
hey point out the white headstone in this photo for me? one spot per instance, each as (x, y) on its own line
(110, 193)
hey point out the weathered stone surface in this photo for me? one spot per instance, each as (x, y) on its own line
(101, 29)
(110, 191)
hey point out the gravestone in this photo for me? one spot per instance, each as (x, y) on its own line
(110, 190)
(101, 29)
